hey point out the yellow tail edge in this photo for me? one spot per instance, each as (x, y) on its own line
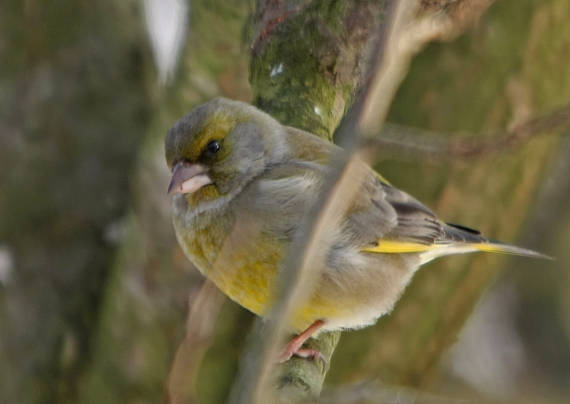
(402, 247)
(502, 248)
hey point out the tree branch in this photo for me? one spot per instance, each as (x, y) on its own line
(404, 141)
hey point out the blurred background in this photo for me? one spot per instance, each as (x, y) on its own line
(94, 291)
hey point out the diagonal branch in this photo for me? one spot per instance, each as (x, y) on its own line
(413, 142)
(204, 307)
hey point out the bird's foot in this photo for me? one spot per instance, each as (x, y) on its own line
(306, 353)
(295, 346)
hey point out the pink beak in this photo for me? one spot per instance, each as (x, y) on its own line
(188, 178)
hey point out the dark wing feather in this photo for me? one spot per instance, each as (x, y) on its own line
(416, 223)
(392, 214)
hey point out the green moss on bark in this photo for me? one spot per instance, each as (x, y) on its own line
(308, 59)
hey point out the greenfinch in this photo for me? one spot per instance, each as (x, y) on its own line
(242, 184)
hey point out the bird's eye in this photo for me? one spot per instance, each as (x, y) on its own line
(213, 147)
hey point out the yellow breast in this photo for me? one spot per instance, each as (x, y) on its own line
(246, 271)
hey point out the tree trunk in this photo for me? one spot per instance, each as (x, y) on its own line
(73, 107)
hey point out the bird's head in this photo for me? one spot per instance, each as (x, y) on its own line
(219, 147)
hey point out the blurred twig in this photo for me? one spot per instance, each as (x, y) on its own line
(462, 13)
(413, 142)
(204, 307)
(408, 36)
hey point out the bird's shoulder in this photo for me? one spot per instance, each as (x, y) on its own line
(381, 212)
(305, 146)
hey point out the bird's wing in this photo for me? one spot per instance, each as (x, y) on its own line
(381, 217)
(415, 228)
(384, 219)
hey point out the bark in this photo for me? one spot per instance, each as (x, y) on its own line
(73, 105)
(308, 59)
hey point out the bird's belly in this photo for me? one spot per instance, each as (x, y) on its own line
(344, 298)
(251, 284)
(319, 307)
(250, 279)
(349, 297)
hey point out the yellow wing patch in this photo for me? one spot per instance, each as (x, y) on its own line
(398, 247)
(490, 247)
(401, 247)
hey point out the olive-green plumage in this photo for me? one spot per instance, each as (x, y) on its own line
(243, 183)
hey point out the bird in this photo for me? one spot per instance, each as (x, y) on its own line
(242, 185)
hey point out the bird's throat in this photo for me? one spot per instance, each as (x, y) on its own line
(207, 193)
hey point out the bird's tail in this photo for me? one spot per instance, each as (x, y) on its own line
(504, 248)
(474, 239)
(454, 239)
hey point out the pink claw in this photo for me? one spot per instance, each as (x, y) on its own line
(294, 347)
